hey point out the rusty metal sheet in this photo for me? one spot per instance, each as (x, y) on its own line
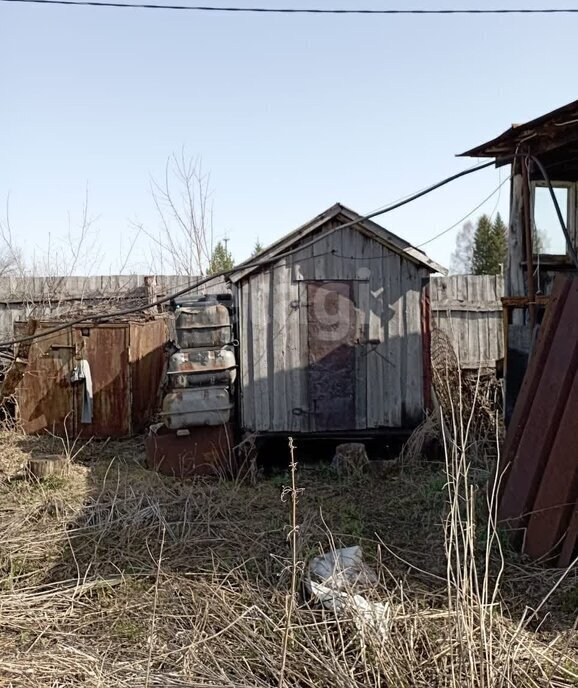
(204, 451)
(568, 550)
(556, 496)
(126, 364)
(541, 486)
(331, 340)
(44, 395)
(106, 348)
(546, 406)
(147, 360)
(534, 372)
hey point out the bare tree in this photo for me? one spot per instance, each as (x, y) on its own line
(461, 258)
(11, 259)
(77, 251)
(184, 242)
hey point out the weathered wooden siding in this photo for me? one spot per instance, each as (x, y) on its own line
(468, 309)
(50, 297)
(274, 342)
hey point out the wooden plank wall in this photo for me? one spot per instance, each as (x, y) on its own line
(48, 297)
(469, 310)
(273, 335)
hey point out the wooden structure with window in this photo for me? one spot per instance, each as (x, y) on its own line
(543, 155)
(331, 331)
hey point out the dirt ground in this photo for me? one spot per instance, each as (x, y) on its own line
(117, 576)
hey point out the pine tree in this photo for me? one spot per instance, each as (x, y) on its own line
(257, 248)
(221, 260)
(490, 249)
(501, 238)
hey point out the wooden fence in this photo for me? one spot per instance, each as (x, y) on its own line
(468, 309)
(54, 297)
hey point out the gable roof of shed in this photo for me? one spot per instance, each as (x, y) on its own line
(358, 222)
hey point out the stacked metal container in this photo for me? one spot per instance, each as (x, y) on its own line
(202, 373)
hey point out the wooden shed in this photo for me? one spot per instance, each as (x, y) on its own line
(331, 336)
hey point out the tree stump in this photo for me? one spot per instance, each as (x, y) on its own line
(350, 459)
(45, 466)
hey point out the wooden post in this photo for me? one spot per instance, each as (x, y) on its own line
(527, 213)
(151, 288)
(514, 282)
(46, 465)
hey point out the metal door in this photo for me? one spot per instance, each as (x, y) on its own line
(331, 341)
(106, 348)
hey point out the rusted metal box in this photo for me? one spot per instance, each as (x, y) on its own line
(203, 326)
(126, 362)
(196, 406)
(202, 451)
(202, 367)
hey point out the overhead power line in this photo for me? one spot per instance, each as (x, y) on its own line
(304, 10)
(465, 217)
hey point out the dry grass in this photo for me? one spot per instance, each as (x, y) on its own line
(118, 577)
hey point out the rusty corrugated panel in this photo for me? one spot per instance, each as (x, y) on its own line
(44, 394)
(106, 348)
(557, 493)
(126, 365)
(204, 451)
(541, 486)
(568, 550)
(147, 356)
(534, 371)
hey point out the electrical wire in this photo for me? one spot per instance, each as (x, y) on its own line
(428, 241)
(304, 10)
(243, 266)
(402, 198)
(465, 217)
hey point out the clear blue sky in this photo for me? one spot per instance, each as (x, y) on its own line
(289, 113)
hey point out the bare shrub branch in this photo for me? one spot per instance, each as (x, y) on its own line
(184, 241)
